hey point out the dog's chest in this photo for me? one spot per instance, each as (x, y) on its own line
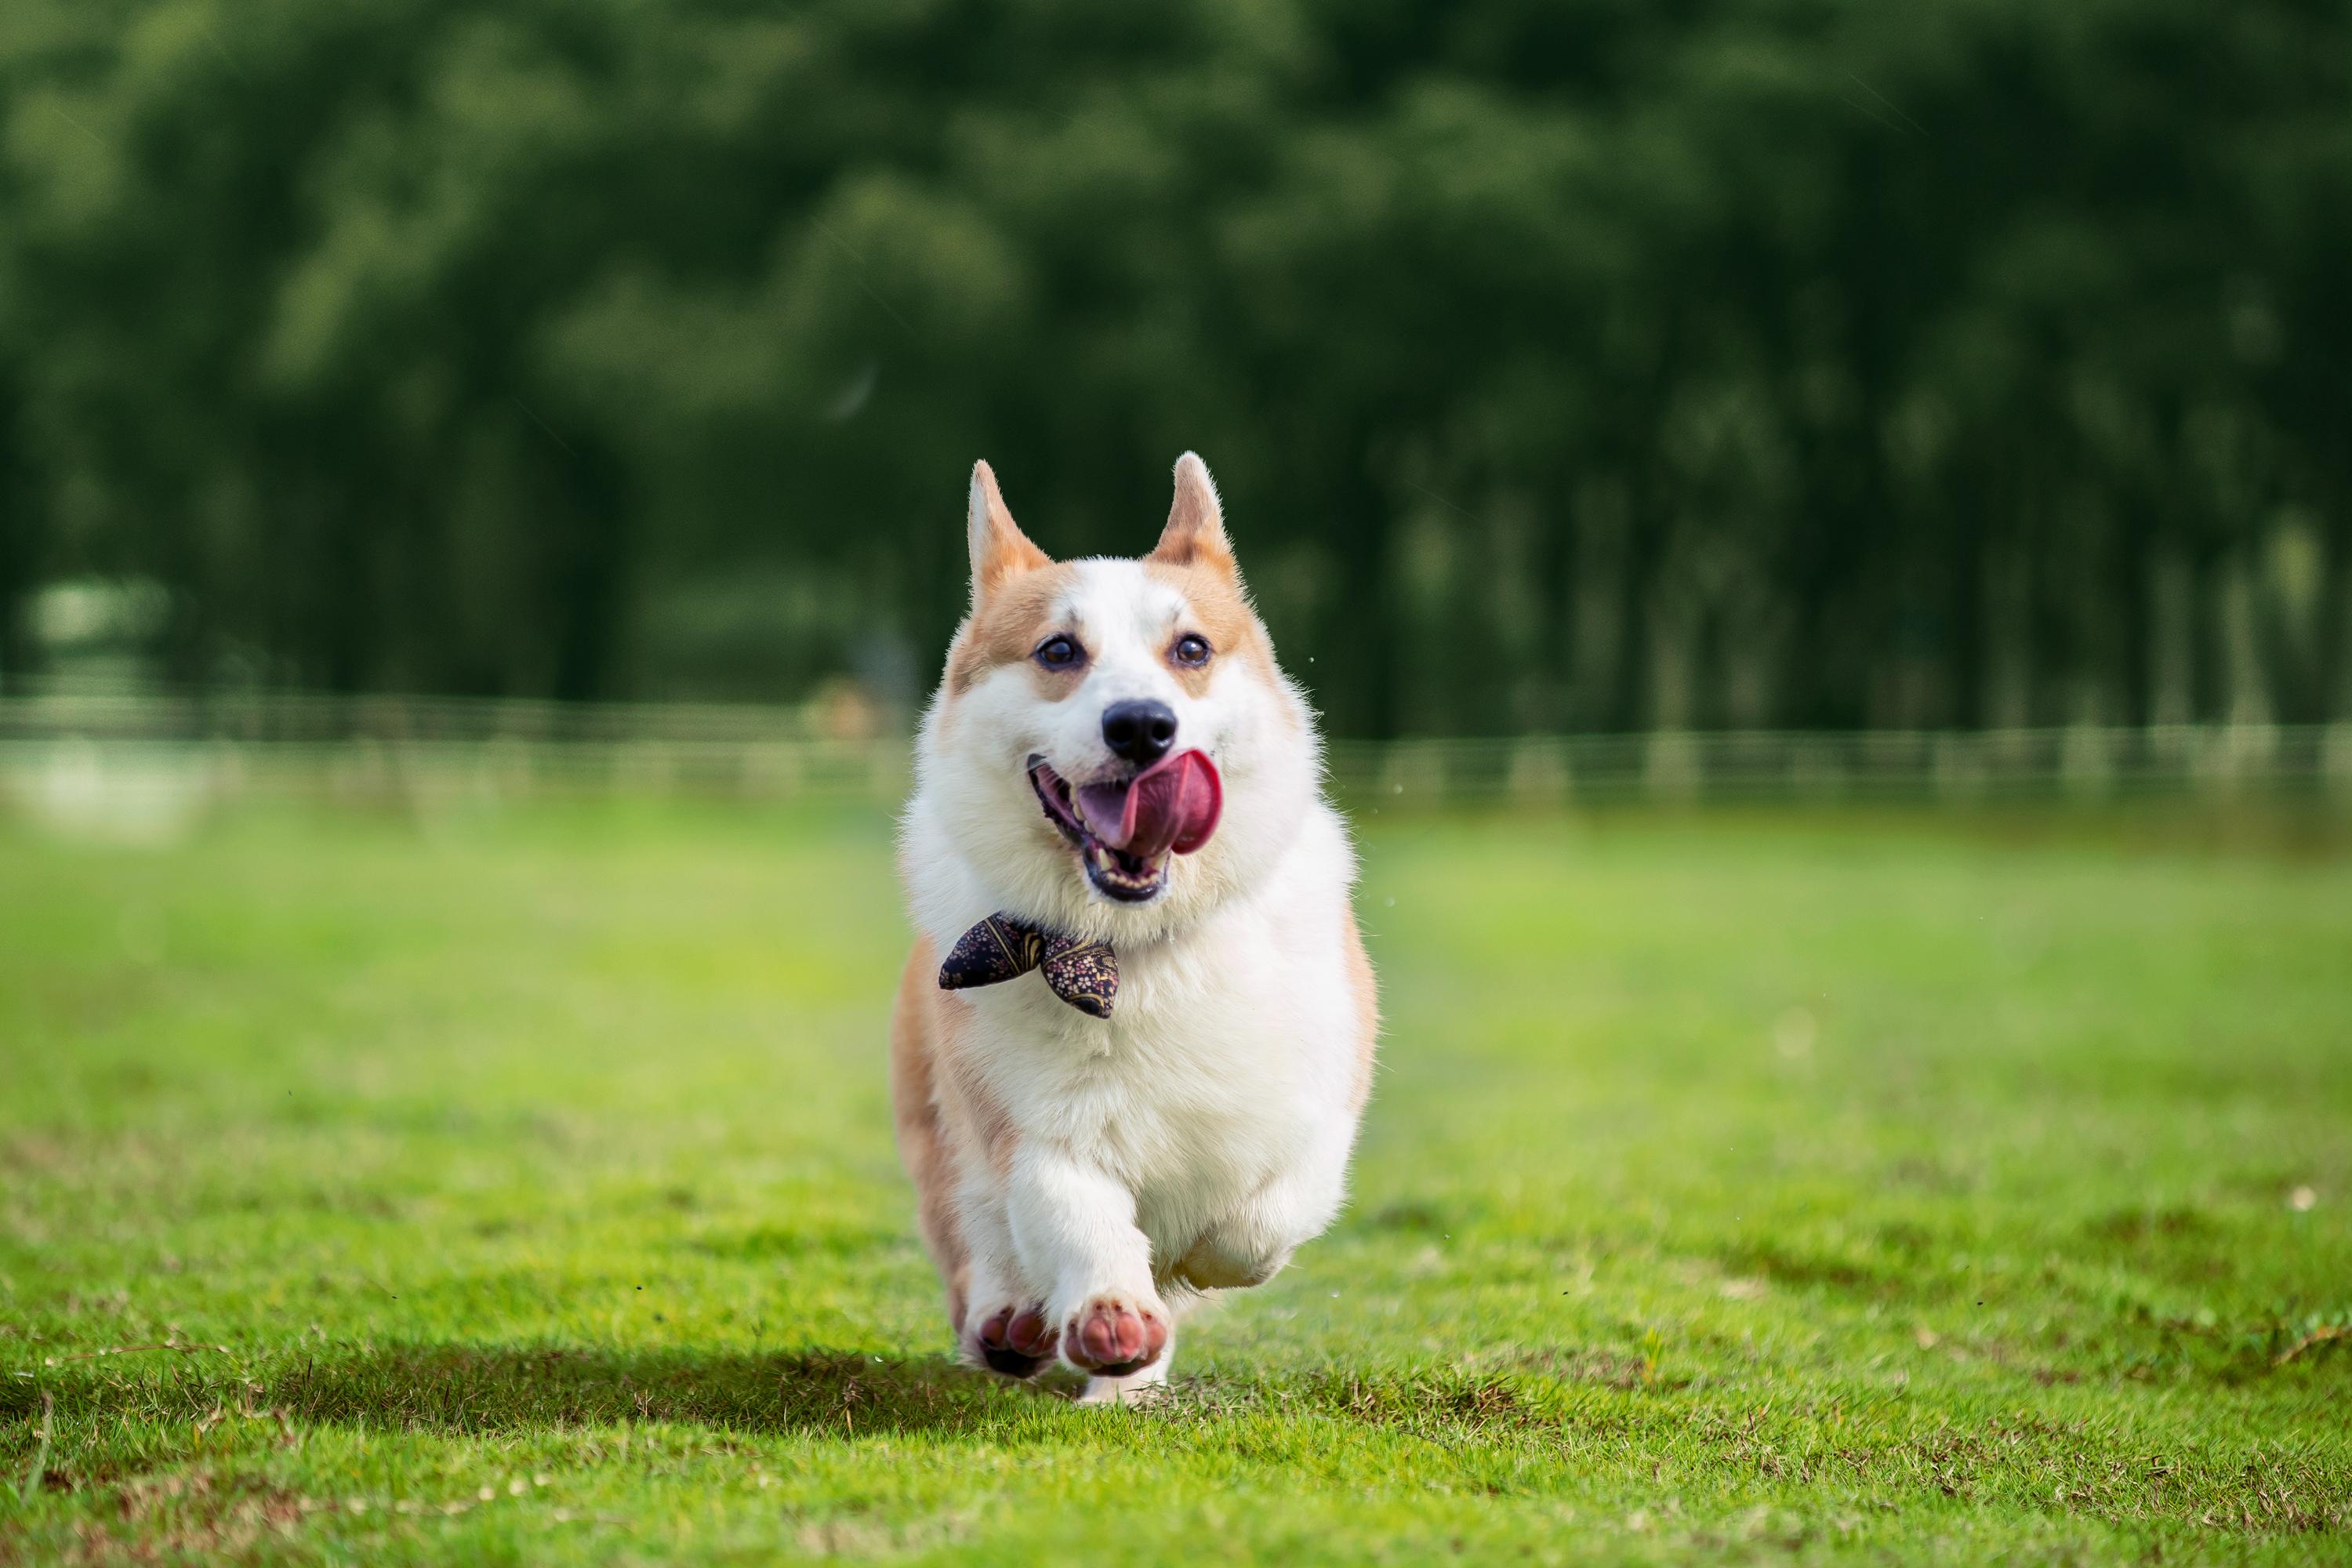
(1210, 1069)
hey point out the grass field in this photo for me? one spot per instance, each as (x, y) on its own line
(1737, 1187)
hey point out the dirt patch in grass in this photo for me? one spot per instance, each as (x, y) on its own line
(196, 1515)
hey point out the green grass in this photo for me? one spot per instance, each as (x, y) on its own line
(1736, 1188)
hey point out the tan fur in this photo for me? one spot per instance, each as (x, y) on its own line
(925, 1140)
(1195, 558)
(1002, 551)
(1195, 533)
(1006, 629)
(1225, 617)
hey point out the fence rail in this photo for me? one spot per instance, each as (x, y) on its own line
(2081, 762)
(318, 717)
(138, 765)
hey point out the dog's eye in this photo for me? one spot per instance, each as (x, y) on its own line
(1192, 648)
(1058, 653)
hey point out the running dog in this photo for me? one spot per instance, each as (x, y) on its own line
(1117, 789)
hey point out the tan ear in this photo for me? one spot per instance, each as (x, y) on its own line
(1195, 534)
(999, 550)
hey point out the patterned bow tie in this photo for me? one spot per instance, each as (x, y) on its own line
(1083, 973)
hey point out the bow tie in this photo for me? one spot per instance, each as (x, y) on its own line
(1083, 973)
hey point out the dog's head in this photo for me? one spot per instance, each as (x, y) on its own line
(1113, 747)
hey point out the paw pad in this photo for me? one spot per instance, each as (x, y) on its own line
(1111, 1339)
(1016, 1341)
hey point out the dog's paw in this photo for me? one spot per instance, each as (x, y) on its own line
(1111, 1336)
(1016, 1340)
(1215, 1263)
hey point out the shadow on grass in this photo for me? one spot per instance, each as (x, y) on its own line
(461, 1388)
(407, 1386)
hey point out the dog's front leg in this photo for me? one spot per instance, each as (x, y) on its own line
(1006, 1328)
(1074, 1229)
(1250, 1246)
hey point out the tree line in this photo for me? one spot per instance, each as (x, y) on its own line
(1585, 364)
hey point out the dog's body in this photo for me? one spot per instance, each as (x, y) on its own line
(1081, 1179)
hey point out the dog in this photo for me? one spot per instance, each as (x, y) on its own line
(1117, 789)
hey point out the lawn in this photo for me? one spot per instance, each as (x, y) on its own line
(518, 1187)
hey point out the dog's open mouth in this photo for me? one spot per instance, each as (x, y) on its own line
(1125, 830)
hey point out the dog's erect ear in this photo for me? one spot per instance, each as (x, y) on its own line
(999, 550)
(1195, 534)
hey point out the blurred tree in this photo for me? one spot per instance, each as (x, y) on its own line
(1593, 364)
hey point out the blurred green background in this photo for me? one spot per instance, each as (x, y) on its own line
(1567, 367)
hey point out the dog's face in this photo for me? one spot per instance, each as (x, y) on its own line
(1113, 747)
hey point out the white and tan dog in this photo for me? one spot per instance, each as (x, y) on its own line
(1115, 784)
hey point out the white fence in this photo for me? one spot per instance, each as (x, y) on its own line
(2086, 762)
(147, 765)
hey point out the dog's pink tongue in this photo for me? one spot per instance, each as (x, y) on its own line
(1172, 804)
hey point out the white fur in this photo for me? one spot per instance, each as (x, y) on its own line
(1215, 1111)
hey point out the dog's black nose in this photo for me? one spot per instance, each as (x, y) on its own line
(1140, 731)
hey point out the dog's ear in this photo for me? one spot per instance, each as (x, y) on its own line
(1000, 551)
(1195, 534)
